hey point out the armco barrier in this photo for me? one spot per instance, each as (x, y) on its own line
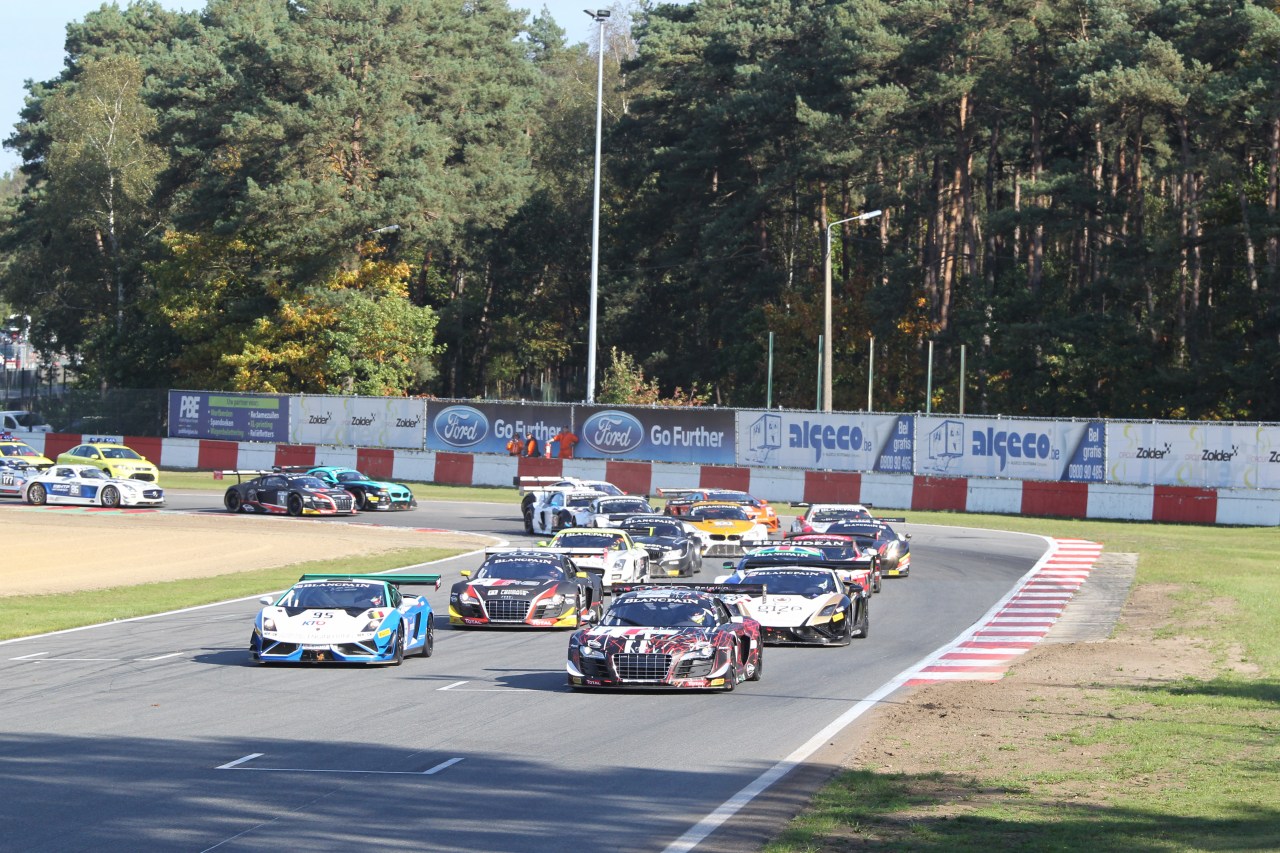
(1169, 504)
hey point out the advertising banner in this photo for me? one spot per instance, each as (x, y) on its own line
(486, 427)
(358, 421)
(693, 434)
(1017, 449)
(229, 416)
(846, 441)
(1202, 454)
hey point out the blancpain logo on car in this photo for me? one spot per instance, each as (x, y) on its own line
(461, 426)
(613, 432)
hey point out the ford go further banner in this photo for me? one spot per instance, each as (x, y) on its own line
(484, 427)
(228, 416)
(1017, 449)
(698, 435)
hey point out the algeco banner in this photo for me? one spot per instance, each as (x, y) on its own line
(228, 416)
(1207, 455)
(695, 434)
(358, 421)
(1018, 449)
(483, 427)
(836, 442)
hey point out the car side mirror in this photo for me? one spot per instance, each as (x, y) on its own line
(266, 600)
(466, 573)
(582, 575)
(737, 620)
(906, 536)
(541, 544)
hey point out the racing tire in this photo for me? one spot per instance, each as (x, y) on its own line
(865, 624)
(846, 637)
(111, 497)
(295, 505)
(876, 582)
(399, 641)
(429, 642)
(755, 676)
(107, 471)
(361, 499)
(731, 677)
(231, 500)
(526, 509)
(36, 495)
(562, 521)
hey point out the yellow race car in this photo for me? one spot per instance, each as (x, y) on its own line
(115, 460)
(11, 448)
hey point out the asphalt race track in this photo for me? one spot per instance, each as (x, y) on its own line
(160, 734)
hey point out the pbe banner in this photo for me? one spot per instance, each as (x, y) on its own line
(692, 434)
(1021, 449)
(358, 421)
(228, 416)
(483, 427)
(837, 442)
(1206, 455)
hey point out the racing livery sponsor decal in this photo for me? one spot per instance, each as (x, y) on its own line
(1017, 449)
(228, 416)
(1197, 454)
(358, 421)
(839, 442)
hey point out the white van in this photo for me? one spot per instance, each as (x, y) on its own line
(17, 421)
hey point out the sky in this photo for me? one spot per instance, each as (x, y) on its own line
(32, 34)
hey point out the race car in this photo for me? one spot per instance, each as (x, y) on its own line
(115, 460)
(534, 489)
(284, 493)
(893, 547)
(608, 510)
(12, 448)
(610, 554)
(529, 587)
(85, 485)
(340, 617)
(370, 494)
(725, 529)
(807, 602)
(818, 517)
(558, 508)
(674, 550)
(666, 637)
(14, 474)
(681, 501)
(843, 550)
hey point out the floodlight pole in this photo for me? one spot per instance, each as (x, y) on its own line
(599, 16)
(826, 306)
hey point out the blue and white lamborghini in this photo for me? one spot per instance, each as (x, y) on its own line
(345, 618)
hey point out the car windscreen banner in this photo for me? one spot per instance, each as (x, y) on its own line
(1205, 455)
(229, 416)
(358, 421)
(687, 434)
(486, 427)
(1017, 449)
(845, 441)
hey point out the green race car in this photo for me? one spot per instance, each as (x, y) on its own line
(369, 494)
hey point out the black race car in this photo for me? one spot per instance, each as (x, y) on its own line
(666, 637)
(893, 547)
(286, 493)
(843, 549)
(526, 588)
(674, 552)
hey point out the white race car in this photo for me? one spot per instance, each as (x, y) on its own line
(85, 485)
(558, 508)
(14, 474)
(611, 554)
(804, 603)
(536, 490)
(612, 510)
(818, 517)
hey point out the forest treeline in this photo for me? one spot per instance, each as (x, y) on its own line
(395, 197)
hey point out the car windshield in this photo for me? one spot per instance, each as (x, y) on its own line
(90, 474)
(735, 513)
(519, 568)
(351, 477)
(118, 453)
(737, 497)
(654, 612)
(655, 528)
(312, 483)
(784, 582)
(338, 595)
(587, 540)
(16, 450)
(606, 488)
(829, 515)
(580, 500)
(615, 505)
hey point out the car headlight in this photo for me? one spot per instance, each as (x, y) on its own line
(268, 624)
(673, 555)
(591, 652)
(555, 600)
(702, 651)
(829, 609)
(468, 598)
(620, 561)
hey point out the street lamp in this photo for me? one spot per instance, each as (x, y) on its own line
(826, 307)
(599, 16)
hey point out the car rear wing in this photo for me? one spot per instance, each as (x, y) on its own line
(394, 580)
(729, 593)
(887, 520)
(533, 484)
(241, 474)
(577, 552)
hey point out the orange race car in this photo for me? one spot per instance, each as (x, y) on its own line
(679, 501)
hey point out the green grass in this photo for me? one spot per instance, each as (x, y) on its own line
(24, 615)
(1187, 766)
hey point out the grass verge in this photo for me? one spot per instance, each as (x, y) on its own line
(1188, 764)
(24, 615)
